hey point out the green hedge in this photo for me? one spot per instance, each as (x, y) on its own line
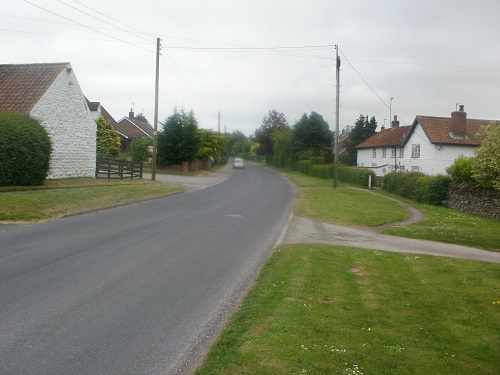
(419, 187)
(25, 149)
(356, 176)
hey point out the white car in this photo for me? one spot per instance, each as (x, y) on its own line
(238, 164)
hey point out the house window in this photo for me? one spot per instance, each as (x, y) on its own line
(401, 152)
(415, 168)
(374, 165)
(415, 151)
(393, 152)
(384, 152)
(374, 152)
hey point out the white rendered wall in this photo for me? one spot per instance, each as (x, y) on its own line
(64, 113)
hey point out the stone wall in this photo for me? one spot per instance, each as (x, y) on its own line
(474, 200)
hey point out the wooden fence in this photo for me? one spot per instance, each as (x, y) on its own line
(117, 169)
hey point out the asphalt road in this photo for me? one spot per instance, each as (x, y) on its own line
(139, 289)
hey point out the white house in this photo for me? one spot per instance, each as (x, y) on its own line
(51, 94)
(430, 145)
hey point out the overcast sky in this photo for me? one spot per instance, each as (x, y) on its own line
(230, 56)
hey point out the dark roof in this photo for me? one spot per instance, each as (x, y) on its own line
(134, 128)
(387, 138)
(22, 86)
(438, 130)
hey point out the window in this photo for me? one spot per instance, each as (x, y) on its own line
(374, 165)
(393, 152)
(401, 152)
(415, 151)
(383, 152)
(374, 152)
(415, 168)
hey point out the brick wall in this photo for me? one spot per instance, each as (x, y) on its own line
(63, 112)
(474, 200)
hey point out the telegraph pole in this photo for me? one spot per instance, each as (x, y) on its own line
(219, 135)
(337, 105)
(155, 131)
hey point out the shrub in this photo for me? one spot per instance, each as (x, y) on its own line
(107, 139)
(486, 164)
(303, 166)
(461, 170)
(419, 187)
(139, 149)
(321, 171)
(25, 149)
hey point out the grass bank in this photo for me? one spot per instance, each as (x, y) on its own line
(59, 197)
(319, 309)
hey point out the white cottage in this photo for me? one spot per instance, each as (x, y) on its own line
(430, 145)
(51, 94)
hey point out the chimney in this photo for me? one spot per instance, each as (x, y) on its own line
(458, 122)
(131, 114)
(395, 122)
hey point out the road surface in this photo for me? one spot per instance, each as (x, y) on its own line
(139, 289)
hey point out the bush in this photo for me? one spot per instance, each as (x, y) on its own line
(303, 166)
(139, 149)
(419, 187)
(461, 170)
(25, 149)
(321, 171)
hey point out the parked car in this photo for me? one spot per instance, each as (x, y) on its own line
(238, 164)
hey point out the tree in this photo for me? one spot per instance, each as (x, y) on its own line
(212, 145)
(141, 118)
(108, 139)
(486, 164)
(179, 140)
(312, 137)
(461, 170)
(282, 146)
(274, 120)
(363, 129)
(237, 143)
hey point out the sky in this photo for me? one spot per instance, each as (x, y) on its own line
(245, 58)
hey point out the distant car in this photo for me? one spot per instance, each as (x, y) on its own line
(238, 164)
(150, 151)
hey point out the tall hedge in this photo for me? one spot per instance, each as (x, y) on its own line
(357, 176)
(419, 187)
(25, 149)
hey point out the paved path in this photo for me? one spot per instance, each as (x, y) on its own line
(305, 230)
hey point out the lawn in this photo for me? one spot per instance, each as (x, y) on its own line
(61, 197)
(318, 309)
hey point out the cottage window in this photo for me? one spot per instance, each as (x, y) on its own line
(393, 152)
(401, 152)
(384, 152)
(374, 152)
(415, 151)
(374, 165)
(415, 168)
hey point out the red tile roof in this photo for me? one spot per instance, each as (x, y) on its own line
(438, 130)
(22, 86)
(386, 138)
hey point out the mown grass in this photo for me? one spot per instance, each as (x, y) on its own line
(61, 197)
(318, 309)
(318, 200)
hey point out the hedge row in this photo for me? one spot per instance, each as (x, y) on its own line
(419, 187)
(25, 149)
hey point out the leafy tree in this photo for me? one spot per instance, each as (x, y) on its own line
(25, 149)
(238, 143)
(312, 137)
(179, 140)
(363, 129)
(461, 170)
(139, 149)
(108, 139)
(274, 120)
(486, 164)
(212, 144)
(282, 146)
(142, 118)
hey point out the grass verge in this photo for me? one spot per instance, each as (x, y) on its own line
(318, 309)
(66, 196)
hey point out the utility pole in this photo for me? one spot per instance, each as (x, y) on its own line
(155, 131)
(337, 105)
(219, 134)
(390, 111)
